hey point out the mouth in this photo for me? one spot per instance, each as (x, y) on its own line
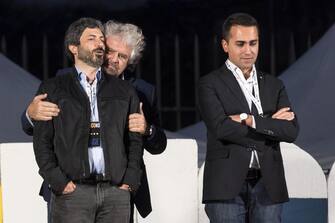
(111, 65)
(99, 52)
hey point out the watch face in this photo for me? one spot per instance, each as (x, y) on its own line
(243, 116)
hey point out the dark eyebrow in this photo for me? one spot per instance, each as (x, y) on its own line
(93, 35)
(243, 42)
(240, 42)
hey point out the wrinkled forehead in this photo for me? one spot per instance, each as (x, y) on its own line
(117, 43)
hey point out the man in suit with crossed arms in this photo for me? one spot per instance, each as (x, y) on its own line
(247, 114)
(124, 47)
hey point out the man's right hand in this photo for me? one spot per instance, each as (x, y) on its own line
(70, 187)
(40, 110)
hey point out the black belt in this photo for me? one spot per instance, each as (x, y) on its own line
(253, 174)
(93, 179)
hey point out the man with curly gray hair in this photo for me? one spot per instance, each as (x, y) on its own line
(124, 47)
(126, 36)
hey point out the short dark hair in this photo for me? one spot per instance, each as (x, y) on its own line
(75, 30)
(242, 19)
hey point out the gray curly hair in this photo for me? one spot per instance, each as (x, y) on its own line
(131, 34)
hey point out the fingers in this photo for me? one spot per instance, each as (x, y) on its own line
(40, 97)
(49, 107)
(45, 113)
(137, 123)
(235, 118)
(70, 187)
(280, 111)
(124, 187)
(135, 116)
(42, 110)
(289, 116)
(141, 109)
(140, 128)
(47, 104)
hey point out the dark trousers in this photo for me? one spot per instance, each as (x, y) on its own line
(252, 205)
(99, 203)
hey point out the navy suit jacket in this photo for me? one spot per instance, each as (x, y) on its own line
(155, 144)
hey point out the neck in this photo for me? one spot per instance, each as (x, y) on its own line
(89, 71)
(246, 72)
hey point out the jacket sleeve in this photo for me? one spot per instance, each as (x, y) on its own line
(44, 152)
(26, 125)
(134, 142)
(219, 123)
(275, 129)
(156, 143)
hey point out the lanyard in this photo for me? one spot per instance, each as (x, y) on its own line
(243, 83)
(92, 95)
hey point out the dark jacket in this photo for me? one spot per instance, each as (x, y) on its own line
(61, 145)
(155, 144)
(229, 144)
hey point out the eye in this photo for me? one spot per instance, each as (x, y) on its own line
(240, 44)
(253, 43)
(123, 57)
(110, 51)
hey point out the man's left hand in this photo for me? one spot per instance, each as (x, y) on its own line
(137, 122)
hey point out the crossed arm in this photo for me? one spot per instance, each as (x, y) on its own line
(281, 114)
(280, 126)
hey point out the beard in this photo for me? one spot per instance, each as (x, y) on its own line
(92, 58)
(111, 69)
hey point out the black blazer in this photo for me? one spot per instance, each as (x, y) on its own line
(229, 143)
(155, 144)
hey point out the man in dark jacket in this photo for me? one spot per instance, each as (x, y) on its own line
(247, 114)
(86, 154)
(125, 43)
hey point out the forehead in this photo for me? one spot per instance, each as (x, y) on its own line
(116, 43)
(243, 33)
(92, 32)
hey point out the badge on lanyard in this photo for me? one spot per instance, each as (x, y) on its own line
(94, 135)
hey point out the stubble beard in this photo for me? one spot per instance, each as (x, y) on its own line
(91, 58)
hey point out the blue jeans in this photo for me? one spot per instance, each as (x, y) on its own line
(252, 205)
(99, 203)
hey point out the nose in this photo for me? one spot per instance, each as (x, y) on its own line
(247, 48)
(112, 56)
(100, 43)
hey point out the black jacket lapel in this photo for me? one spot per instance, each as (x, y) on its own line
(231, 82)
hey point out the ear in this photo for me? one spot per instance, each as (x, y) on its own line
(224, 45)
(73, 49)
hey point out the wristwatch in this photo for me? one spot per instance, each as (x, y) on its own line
(148, 131)
(243, 117)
